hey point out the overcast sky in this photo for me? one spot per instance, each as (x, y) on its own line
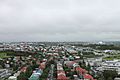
(59, 20)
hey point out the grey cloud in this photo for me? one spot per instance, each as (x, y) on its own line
(62, 20)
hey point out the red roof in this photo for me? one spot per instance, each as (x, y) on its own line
(87, 76)
(61, 72)
(80, 70)
(23, 69)
(42, 65)
(70, 63)
(62, 77)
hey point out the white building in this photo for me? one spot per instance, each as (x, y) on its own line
(12, 78)
(111, 65)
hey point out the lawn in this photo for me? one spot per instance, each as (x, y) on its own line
(112, 57)
(5, 54)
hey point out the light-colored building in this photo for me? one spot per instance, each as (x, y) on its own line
(12, 78)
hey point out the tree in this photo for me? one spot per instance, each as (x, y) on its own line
(28, 72)
(22, 76)
(88, 67)
(110, 78)
(80, 63)
(83, 64)
(109, 74)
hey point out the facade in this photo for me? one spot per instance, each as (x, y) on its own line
(111, 65)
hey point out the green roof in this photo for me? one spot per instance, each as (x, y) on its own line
(34, 77)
